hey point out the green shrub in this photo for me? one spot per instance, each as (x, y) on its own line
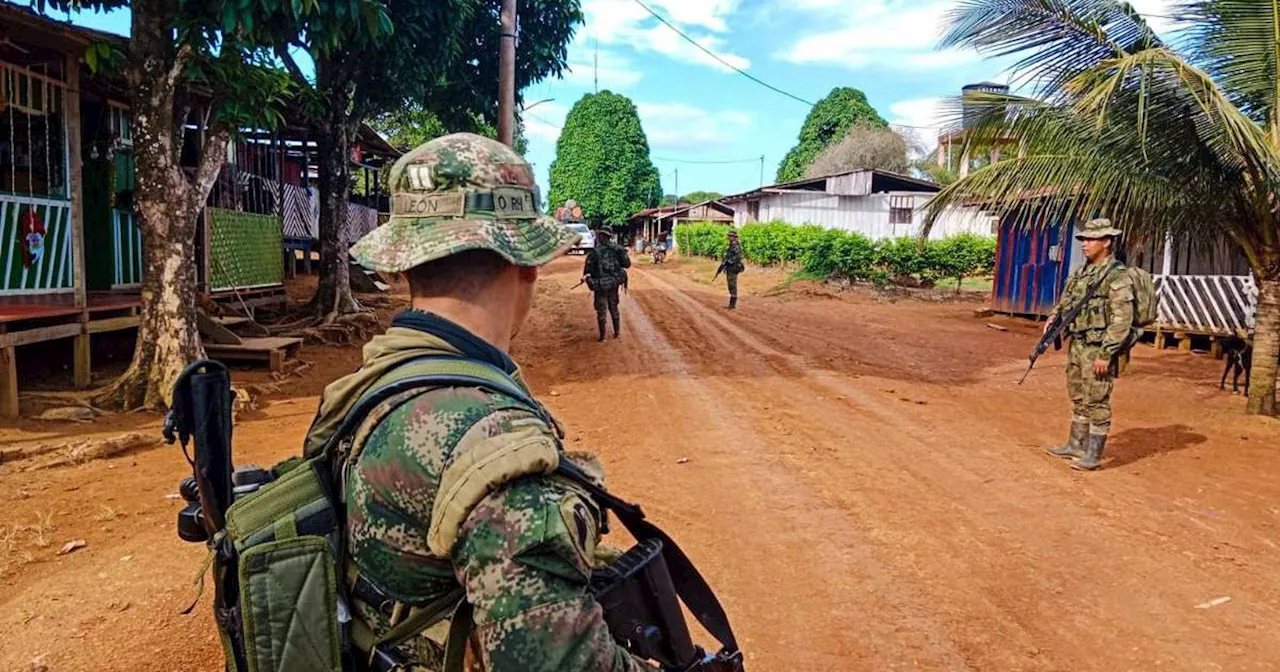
(834, 253)
(901, 257)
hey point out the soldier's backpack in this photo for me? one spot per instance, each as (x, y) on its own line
(609, 263)
(1146, 305)
(277, 538)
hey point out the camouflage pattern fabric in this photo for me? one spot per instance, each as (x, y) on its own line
(462, 192)
(606, 300)
(731, 281)
(1099, 333)
(524, 554)
(606, 265)
(733, 257)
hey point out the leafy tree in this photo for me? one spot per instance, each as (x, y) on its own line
(828, 122)
(408, 127)
(863, 146)
(441, 58)
(669, 200)
(187, 63)
(1122, 124)
(602, 159)
(695, 197)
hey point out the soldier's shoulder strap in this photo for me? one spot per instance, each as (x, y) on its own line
(689, 584)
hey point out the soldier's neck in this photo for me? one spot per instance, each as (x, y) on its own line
(486, 319)
(1101, 260)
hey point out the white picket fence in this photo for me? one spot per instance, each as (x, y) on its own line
(1222, 305)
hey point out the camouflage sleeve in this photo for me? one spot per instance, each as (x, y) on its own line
(1120, 310)
(626, 258)
(523, 557)
(588, 264)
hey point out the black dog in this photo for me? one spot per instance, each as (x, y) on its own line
(1239, 355)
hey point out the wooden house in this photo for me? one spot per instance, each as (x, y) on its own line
(653, 224)
(875, 203)
(70, 244)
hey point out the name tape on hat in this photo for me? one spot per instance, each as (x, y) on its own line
(451, 204)
(501, 203)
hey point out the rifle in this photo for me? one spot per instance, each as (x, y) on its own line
(719, 270)
(580, 283)
(1053, 333)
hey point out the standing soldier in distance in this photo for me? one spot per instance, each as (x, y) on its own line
(423, 521)
(731, 262)
(605, 271)
(1098, 336)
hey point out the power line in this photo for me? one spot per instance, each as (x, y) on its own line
(708, 162)
(723, 62)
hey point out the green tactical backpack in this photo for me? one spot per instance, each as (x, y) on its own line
(280, 600)
(1146, 304)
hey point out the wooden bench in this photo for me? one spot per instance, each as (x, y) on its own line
(274, 351)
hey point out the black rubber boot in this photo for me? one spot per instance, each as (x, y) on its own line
(1092, 453)
(617, 326)
(600, 325)
(1074, 447)
(733, 303)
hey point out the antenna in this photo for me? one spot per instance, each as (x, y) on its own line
(595, 69)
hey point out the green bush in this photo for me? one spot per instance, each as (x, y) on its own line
(901, 257)
(839, 254)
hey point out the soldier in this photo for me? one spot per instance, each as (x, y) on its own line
(1098, 336)
(447, 488)
(731, 262)
(605, 270)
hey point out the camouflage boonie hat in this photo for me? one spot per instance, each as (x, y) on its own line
(462, 192)
(1099, 228)
(733, 233)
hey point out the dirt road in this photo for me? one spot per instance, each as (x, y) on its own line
(861, 481)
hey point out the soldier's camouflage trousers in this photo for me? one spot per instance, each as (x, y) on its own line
(1090, 395)
(731, 279)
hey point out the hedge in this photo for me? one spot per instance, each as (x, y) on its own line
(840, 254)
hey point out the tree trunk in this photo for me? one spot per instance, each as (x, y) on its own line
(333, 295)
(1266, 349)
(168, 337)
(170, 202)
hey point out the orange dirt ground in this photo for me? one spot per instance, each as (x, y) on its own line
(864, 487)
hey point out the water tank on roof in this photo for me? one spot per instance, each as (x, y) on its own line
(972, 112)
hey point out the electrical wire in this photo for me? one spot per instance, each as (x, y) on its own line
(723, 62)
(709, 162)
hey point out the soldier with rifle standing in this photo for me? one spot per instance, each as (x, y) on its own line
(731, 265)
(605, 271)
(1096, 313)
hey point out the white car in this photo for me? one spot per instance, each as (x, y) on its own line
(588, 241)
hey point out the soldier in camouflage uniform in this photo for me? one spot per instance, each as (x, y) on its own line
(605, 270)
(731, 262)
(442, 492)
(1097, 352)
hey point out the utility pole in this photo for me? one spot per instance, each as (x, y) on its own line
(677, 203)
(595, 72)
(762, 170)
(507, 75)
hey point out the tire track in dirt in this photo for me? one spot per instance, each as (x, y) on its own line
(1017, 531)
(857, 578)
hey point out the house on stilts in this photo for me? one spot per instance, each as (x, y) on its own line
(71, 253)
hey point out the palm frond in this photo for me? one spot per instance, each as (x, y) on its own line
(1056, 38)
(1235, 42)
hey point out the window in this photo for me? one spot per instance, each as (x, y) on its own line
(118, 124)
(32, 135)
(900, 209)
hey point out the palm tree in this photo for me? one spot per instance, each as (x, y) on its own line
(1118, 121)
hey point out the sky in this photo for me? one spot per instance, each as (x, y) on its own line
(696, 110)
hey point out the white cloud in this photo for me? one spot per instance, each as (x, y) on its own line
(683, 127)
(920, 119)
(615, 72)
(900, 34)
(626, 23)
(878, 32)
